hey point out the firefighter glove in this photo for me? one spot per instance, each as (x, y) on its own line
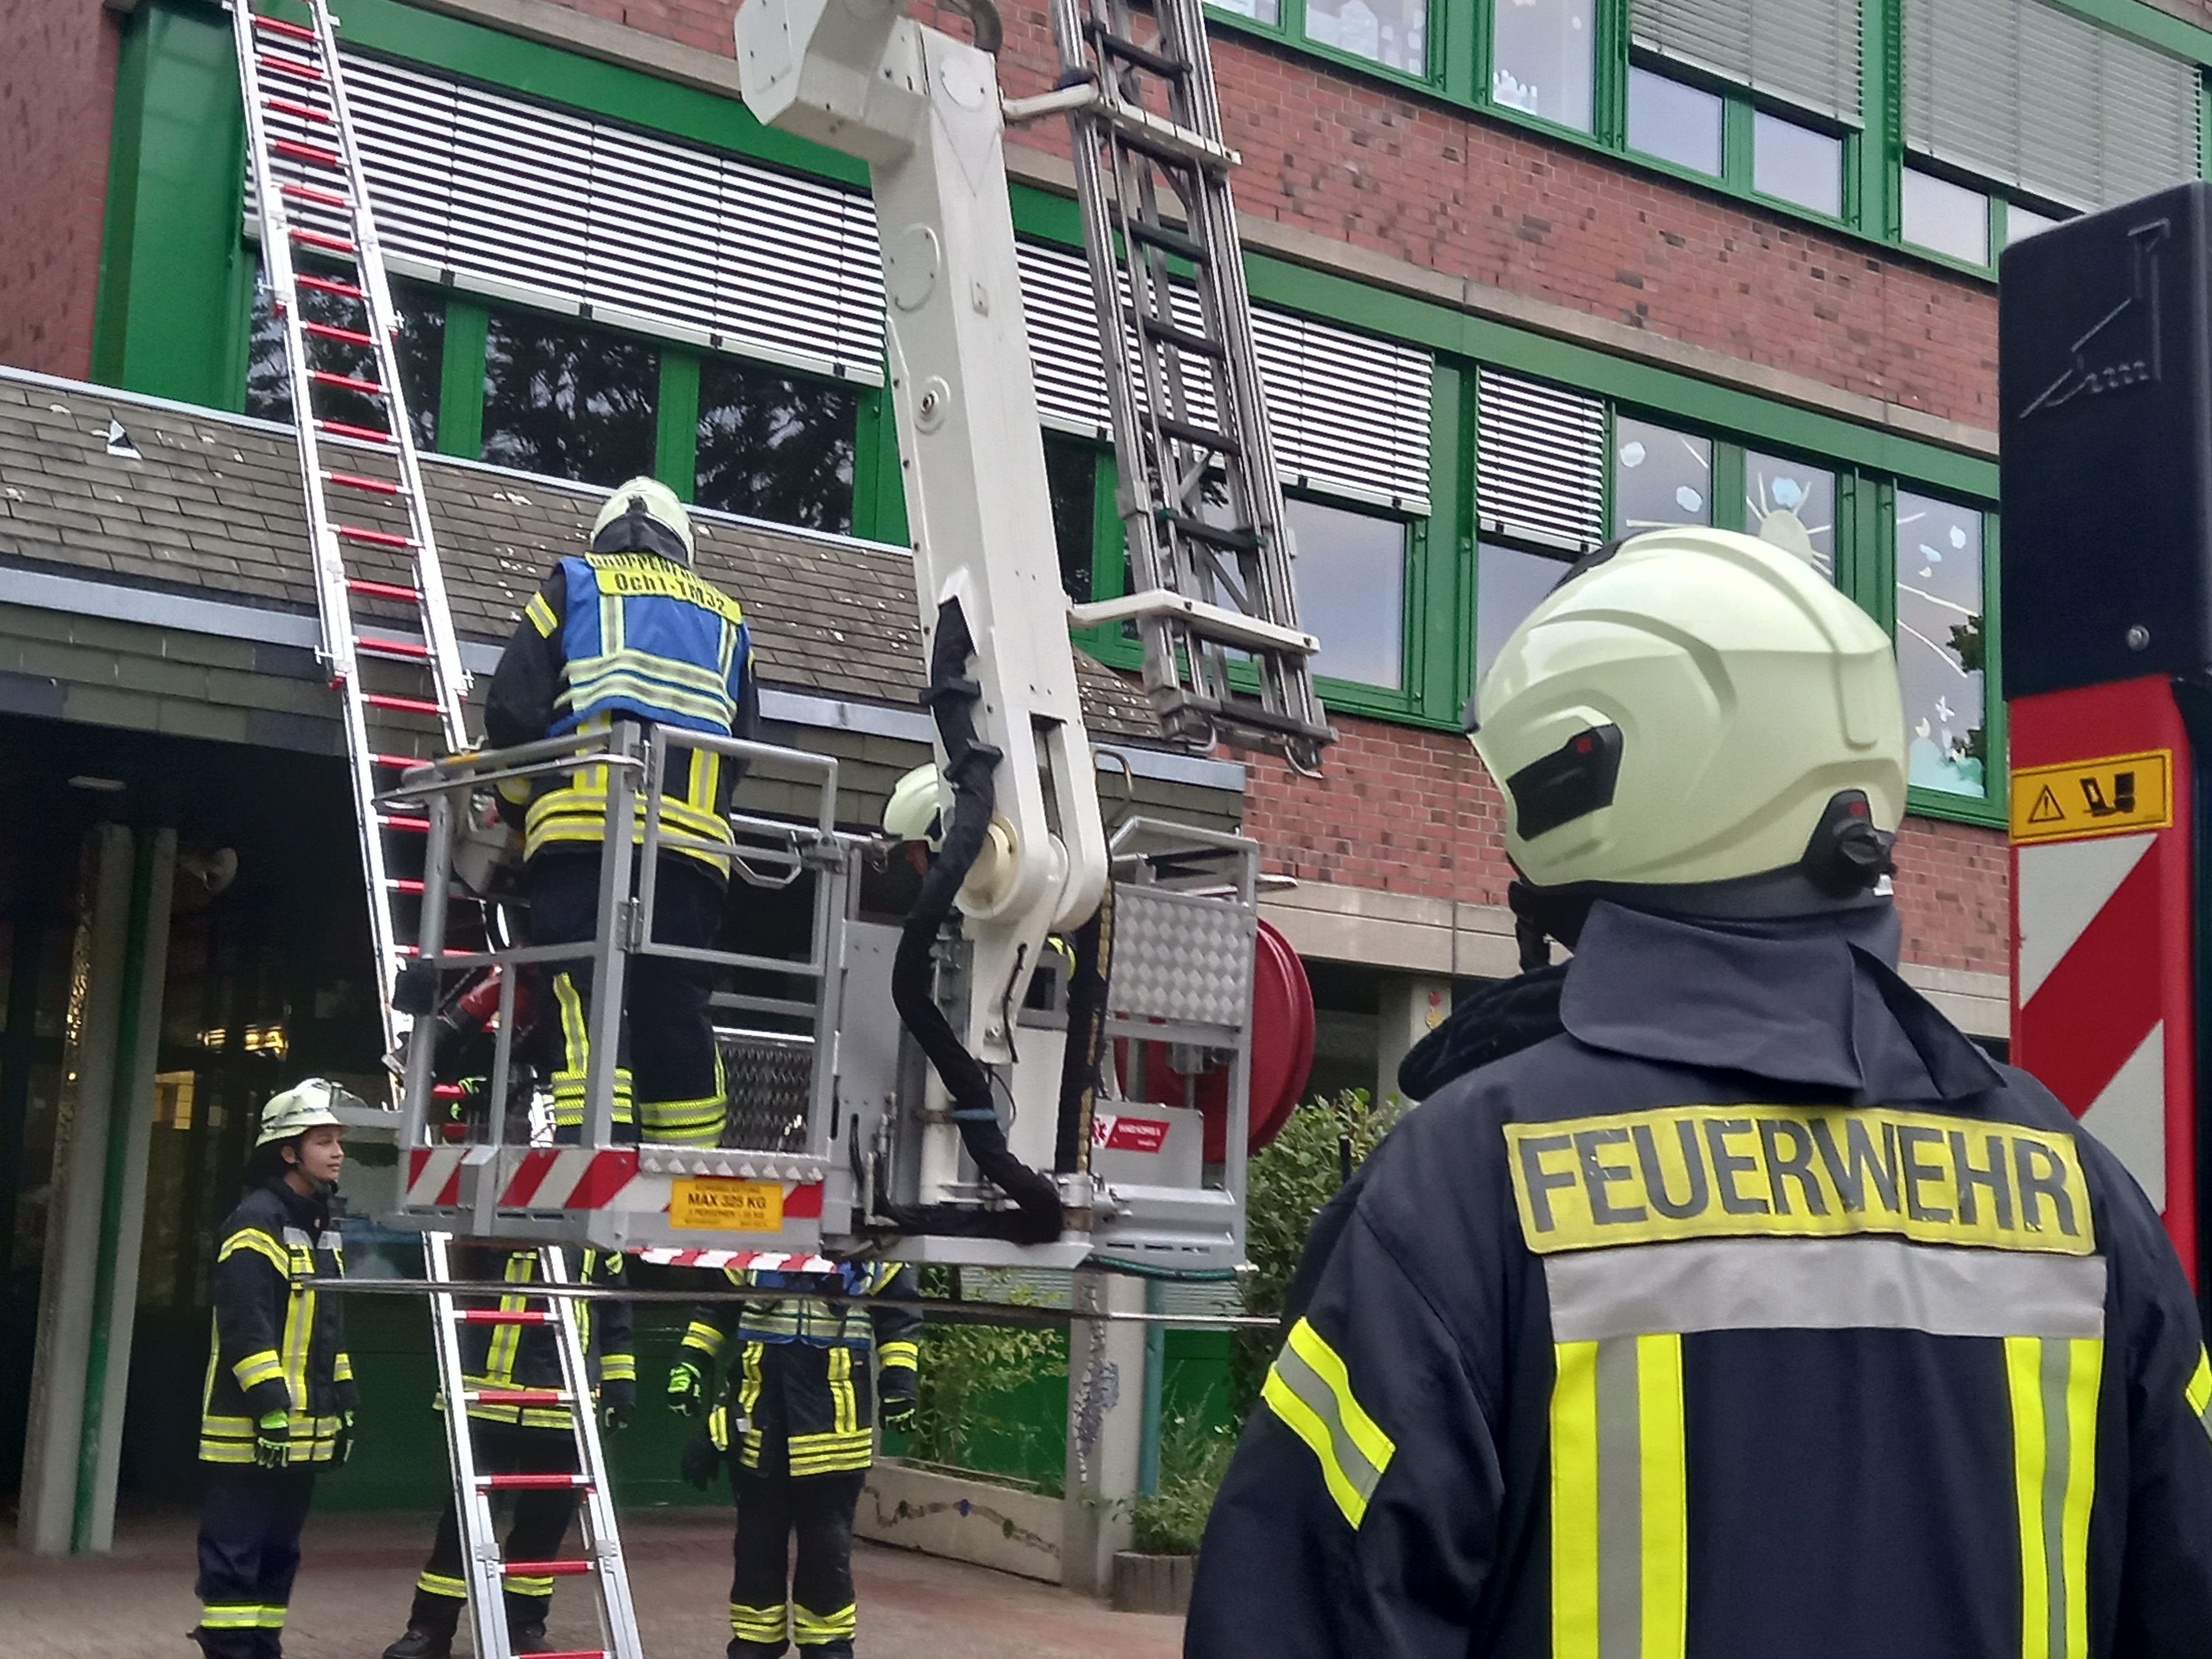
(702, 1461)
(898, 1416)
(687, 1388)
(618, 1403)
(342, 1448)
(272, 1441)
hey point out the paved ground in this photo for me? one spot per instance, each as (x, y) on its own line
(354, 1589)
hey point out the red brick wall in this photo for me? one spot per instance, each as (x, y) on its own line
(1414, 811)
(57, 89)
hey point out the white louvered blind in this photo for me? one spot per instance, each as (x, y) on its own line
(2029, 95)
(1804, 51)
(1349, 413)
(554, 209)
(1539, 460)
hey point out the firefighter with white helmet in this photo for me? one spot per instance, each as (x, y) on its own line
(628, 631)
(278, 1403)
(1740, 1305)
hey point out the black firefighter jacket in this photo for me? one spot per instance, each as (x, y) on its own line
(277, 1345)
(1755, 1315)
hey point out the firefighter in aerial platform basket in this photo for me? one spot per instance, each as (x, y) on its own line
(278, 1403)
(1748, 1310)
(525, 1437)
(796, 1417)
(628, 632)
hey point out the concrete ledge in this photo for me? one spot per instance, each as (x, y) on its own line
(961, 1519)
(1152, 1583)
(1980, 1005)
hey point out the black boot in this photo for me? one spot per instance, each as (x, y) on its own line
(528, 1639)
(420, 1643)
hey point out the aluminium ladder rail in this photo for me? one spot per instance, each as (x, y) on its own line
(1201, 500)
(389, 644)
(483, 1570)
(379, 589)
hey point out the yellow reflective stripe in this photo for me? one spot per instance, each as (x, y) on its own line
(704, 1337)
(342, 1368)
(1309, 1390)
(901, 1354)
(241, 1615)
(769, 1624)
(299, 1332)
(541, 617)
(2198, 1393)
(1619, 1504)
(830, 1453)
(618, 1368)
(253, 1239)
(499, 1359)
(2052, 1384)
(811, 1629)
(435, 1584)
(514, 1585)
(1574, 1501)
(842, 1397)
(258, 1368)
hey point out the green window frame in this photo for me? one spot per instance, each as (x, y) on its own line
(1460, 65)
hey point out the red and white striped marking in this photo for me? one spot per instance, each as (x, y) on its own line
(2103, 982)
(739, 1260)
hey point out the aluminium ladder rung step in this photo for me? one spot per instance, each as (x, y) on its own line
(365, 435)
(1174, 334)
(278, 26)
(548, 1569)
(447, 1090)
(503, 1317)
(1163, 140)
(327, 285)
(1199, 437)
(1145, 57)
(1154, 234)
(329, 198)
(283, 65)
(293, 106)
(300, 151)
(405, 826)
(535, 1482)
(355, 533)
(345, 382)
(377, 486)
(518, 1397)
(1213, 535)
(323, 243)
(352, 336)
(396, 650)
(377, 590)
(403, 884)
(575, 1653)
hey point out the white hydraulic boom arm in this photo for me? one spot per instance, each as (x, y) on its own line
(923, 109)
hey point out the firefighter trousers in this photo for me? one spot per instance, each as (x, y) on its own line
(250, 1525)
(813, 1603)
(668, 1062)
(538, 1527)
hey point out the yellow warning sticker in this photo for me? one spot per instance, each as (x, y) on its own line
(2093, 797)
(724, 1206)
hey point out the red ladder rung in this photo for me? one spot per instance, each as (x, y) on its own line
(287, 66)
(547, 1568)
(534, 1482)
(504, 1317)
(446, 1090)
(299, 152)
(396, 762)
(278, 26)
(352, 336)
(516, 1397)
(320, 197)
(402, 705)
(367, 434)
(576, 1653)
(345, 382)
(380, 590)
(405, 826)
(328, 244)
(358, 480)
(293, 107)
(403, 884)
(329, 285)
(353, 532)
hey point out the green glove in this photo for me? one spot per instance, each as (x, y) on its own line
(687, 1388)
(272, 1441)
(898, 1416)
(342, 1448)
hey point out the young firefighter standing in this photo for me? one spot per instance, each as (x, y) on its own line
(525, 1437)
(797, 1416)
(279, 1398)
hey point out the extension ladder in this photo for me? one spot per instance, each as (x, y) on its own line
(389, 645)
(1201, 504)
(474, 1489)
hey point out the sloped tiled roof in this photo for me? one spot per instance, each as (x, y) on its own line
(197, 502)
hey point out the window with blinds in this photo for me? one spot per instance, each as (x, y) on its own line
(1540, 461)
(1805, 52)
(522, 201)
(2030, 96)
(1349, 413)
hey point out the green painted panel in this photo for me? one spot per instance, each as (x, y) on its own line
(177, 284)
(676, 441)
(461, 378)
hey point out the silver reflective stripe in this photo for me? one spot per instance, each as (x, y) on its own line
(297, 1239)
(1314, 1392)
(2056, 1358)
(2205, 1418)
(1619, 1504)
(1822, 1284)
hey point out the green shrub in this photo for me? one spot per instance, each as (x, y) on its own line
(1193, 1459)
(962, 1367)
